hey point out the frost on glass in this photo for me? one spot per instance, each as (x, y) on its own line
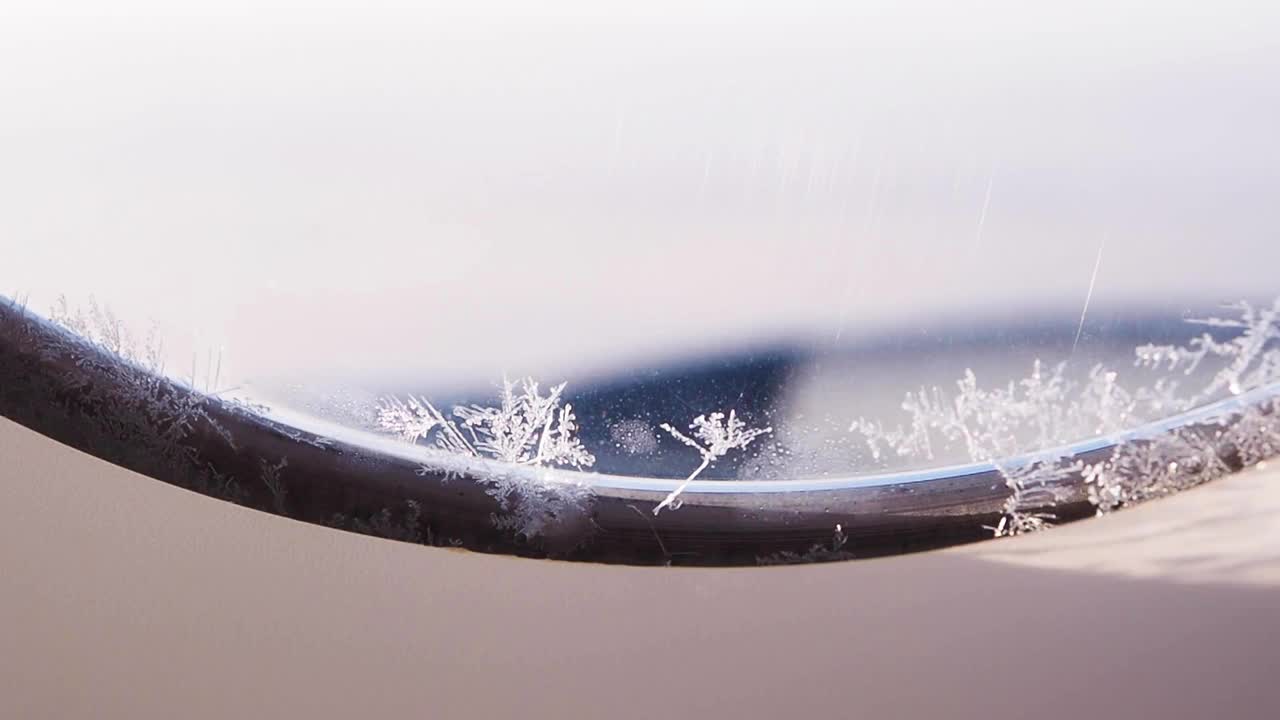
(148, 415)
(270, 476)
(1039, 411)
(531, 430)
(1044, 410)
(1165, 464)
(1023, 428)
(526, 428)
(634, 437)
(1015, 427)
(1251, 357)
(714, 436)
(820, 552)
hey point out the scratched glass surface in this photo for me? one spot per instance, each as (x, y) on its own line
(779, 220)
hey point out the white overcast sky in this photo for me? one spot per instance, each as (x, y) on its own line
(463, 187)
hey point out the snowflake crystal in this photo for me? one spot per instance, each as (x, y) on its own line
(411, 419)
(1041, 410)
(1033, 487)
(1045, 410)
(526, 429)
(1142, 470)
(138, 409)
(716, 435)
(1252, 356)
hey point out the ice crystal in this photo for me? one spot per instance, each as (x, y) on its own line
(1034, 486)
(151, 409)
(1254, 434)
(1046, 410)
(1141, 470)
(270, 473)
(634, 437)
(1252, 354)
(411, 419)
(1147, 468)
(554, 510)
(819, 552)
(99, 325)
(526, 429)
(1037, 412)
(139, 412)
(716, 435)
(384, 524)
